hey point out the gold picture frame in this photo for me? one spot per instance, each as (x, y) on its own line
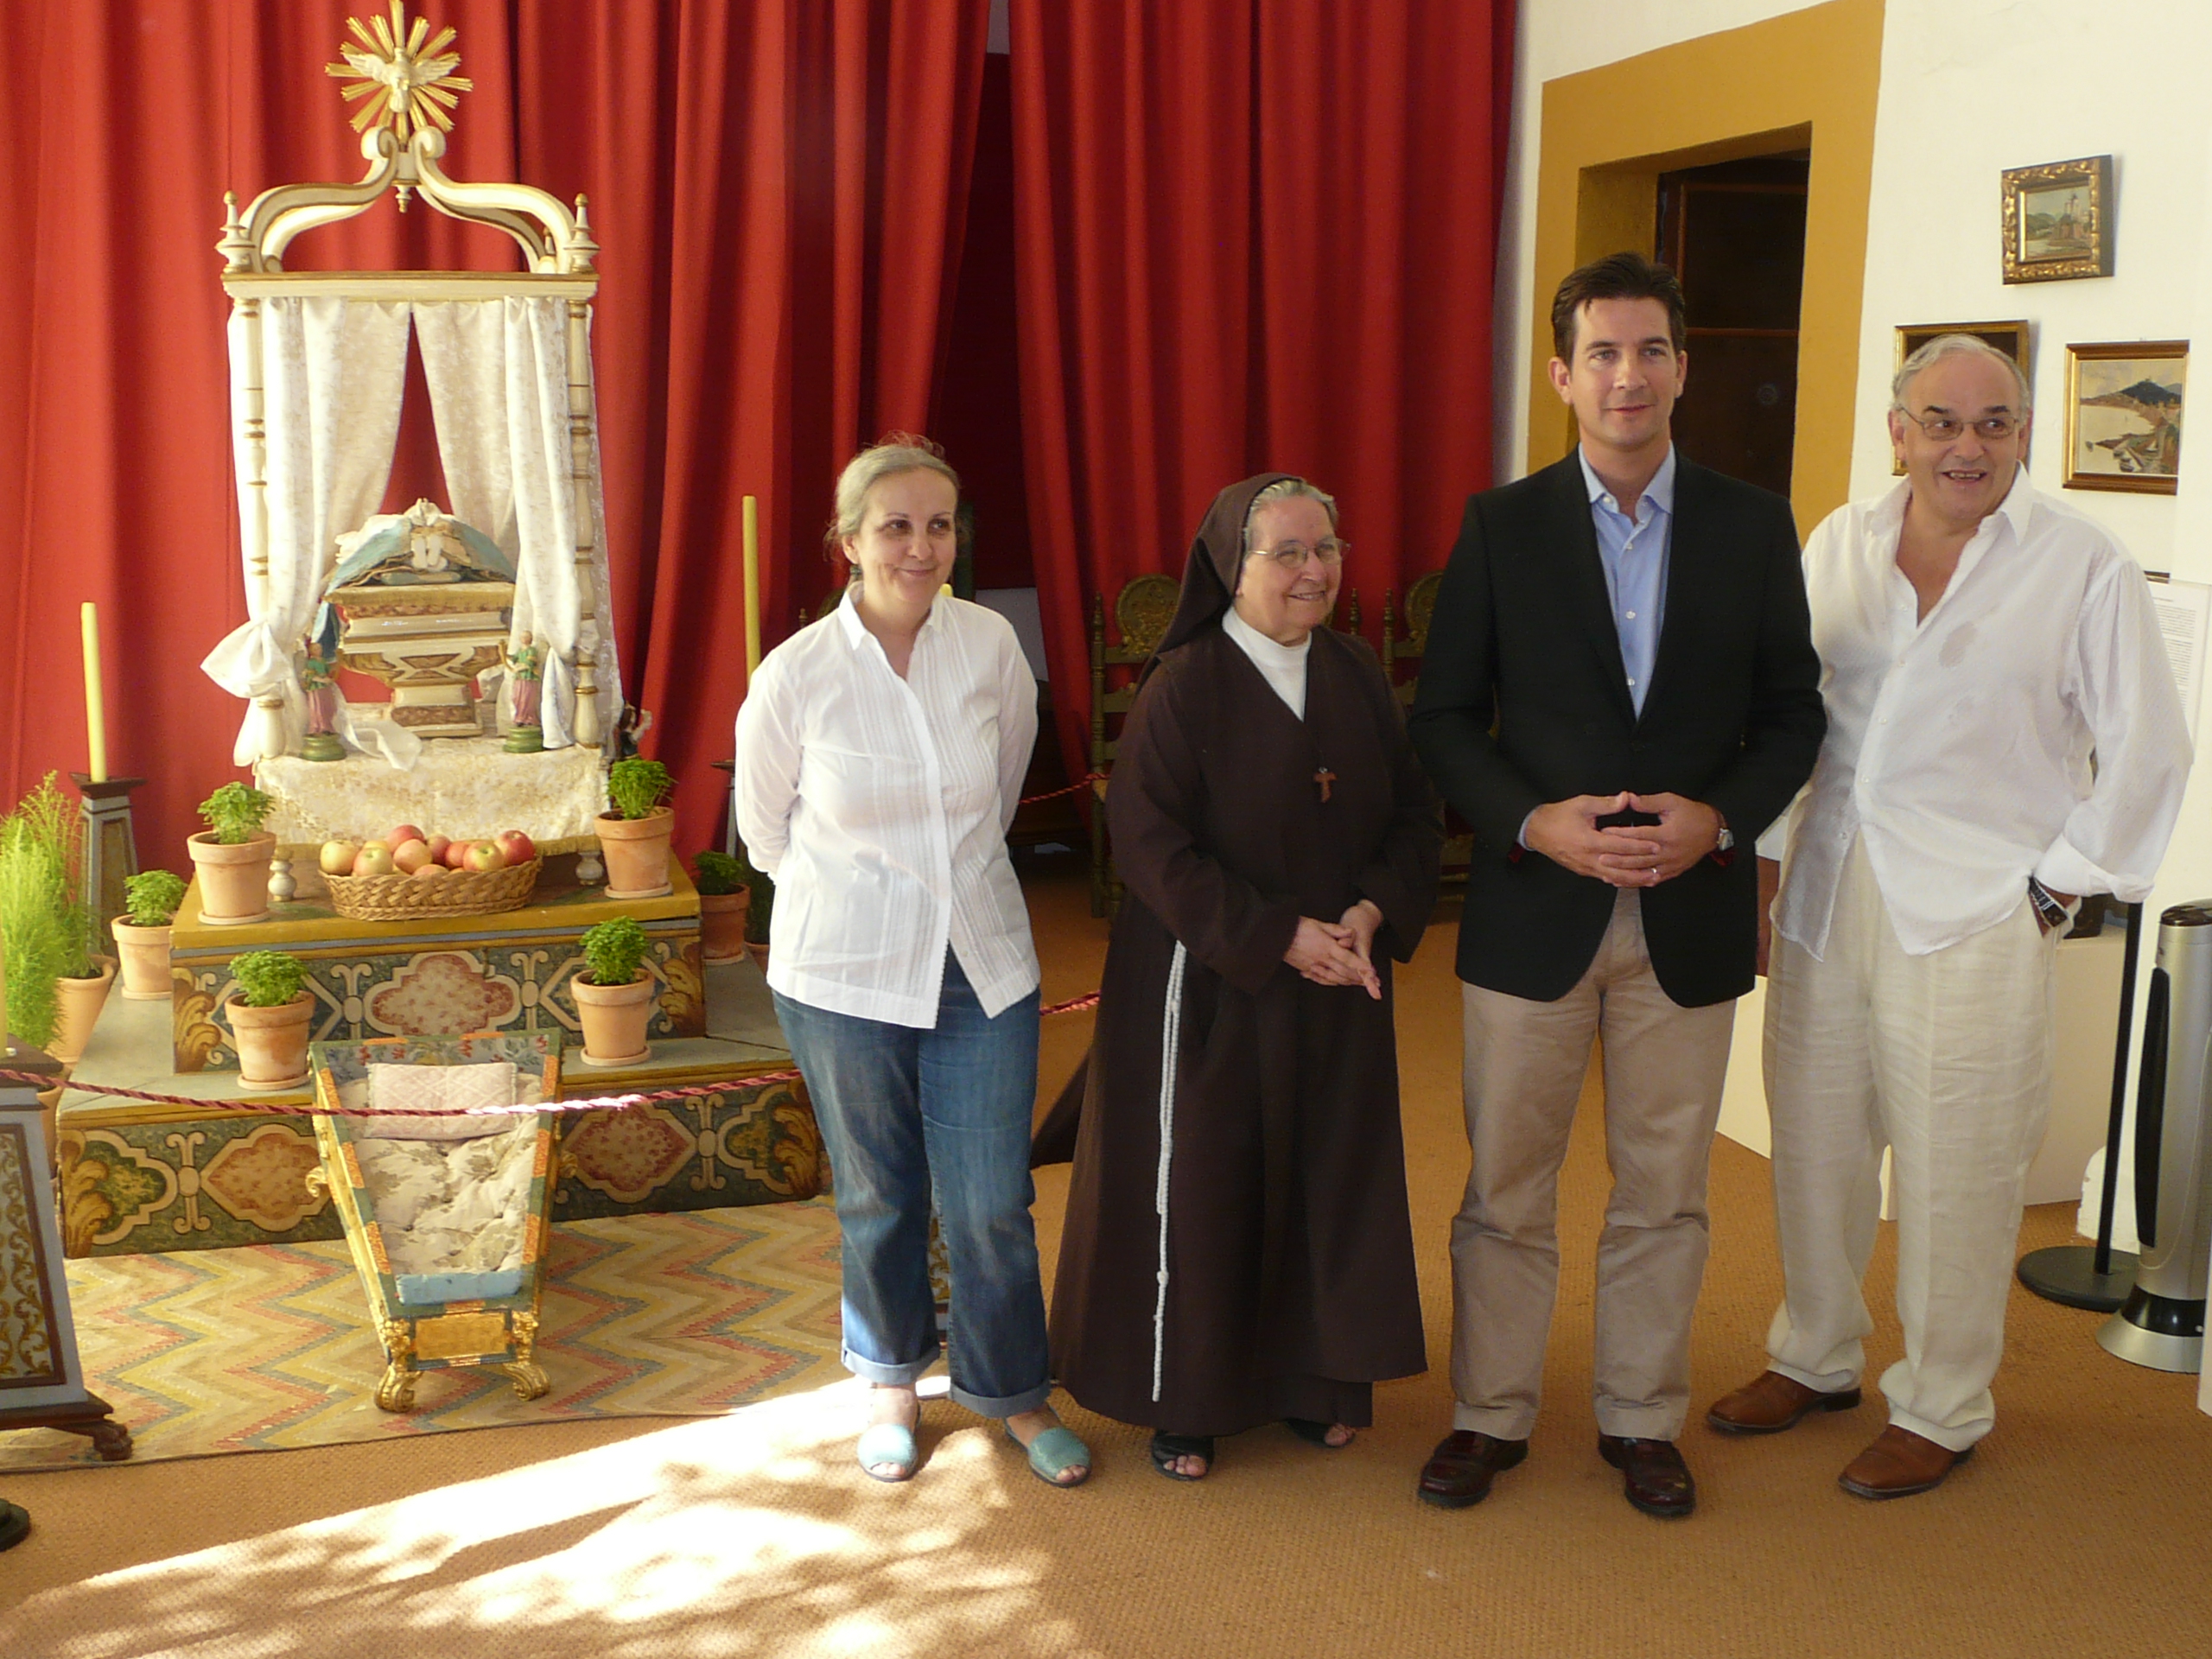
(2010, 338)
(2124, 401)
(2057, 220)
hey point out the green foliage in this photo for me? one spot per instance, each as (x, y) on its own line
(637, 786)
(45, 926)
(269, 978)
(719, 874)
(762, 907)
(153, 896)
(235, 812)
(615, 949)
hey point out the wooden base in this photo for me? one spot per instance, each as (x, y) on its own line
(92, 1416)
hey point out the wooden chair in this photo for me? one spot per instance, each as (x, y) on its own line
(1409, 648)
(1143, 611)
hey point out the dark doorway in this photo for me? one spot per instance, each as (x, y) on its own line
(1735, 233)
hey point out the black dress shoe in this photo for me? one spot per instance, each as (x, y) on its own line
(1653, 1475)
(1459, 1472)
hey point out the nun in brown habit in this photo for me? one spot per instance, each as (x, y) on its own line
(1237, 1250)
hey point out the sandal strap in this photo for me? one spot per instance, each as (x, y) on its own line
(1056, 1451)
(891, 1443)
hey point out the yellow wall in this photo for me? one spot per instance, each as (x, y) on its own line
(1806, 78)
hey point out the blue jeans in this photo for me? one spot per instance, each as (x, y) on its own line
(902, 1109)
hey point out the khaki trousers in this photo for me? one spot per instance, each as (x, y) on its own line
(1524, 1065)
(1946, 1059)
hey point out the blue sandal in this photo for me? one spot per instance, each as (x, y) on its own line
(891, 1443)
(1053, 1453)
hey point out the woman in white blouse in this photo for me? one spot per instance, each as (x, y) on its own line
(879, 757)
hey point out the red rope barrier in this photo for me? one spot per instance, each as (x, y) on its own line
(597, 1103)
(1082, 783)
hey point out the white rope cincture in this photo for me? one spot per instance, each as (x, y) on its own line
(1171, 1035)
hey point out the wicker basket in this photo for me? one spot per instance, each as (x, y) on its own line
(398, 898)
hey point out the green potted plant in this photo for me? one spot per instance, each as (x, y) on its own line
(56, 986)
(615, 998)
(143, 941)
(269, 1018)
(634, 838)
(231, 855)
(725, 894)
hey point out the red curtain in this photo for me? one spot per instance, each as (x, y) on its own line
(1251, 234)
(778, 188)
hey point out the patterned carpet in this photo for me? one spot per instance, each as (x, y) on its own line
(267, 1346)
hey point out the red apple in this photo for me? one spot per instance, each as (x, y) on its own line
(518, 848)
(455, 851)
(373, 859)
(402, 836)
(439, 871)
(338, 856)
(412, 855)
(438, 845)
(485, 855)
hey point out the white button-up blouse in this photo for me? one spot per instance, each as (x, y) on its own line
(881, 807)
(1959, 744)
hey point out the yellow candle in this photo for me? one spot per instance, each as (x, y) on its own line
(95, 708)
(752, 585)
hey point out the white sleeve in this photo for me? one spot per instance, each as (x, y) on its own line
(2115, 838)
(768, 755)
(1017, 723)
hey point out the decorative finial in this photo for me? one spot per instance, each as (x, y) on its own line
(405, 82)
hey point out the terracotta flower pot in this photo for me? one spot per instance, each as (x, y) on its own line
(145, 953)
(614, 1018)
(721, 924)
(636, 851)
(81, 1000)
(272, 1043)
(233, 880)
(757, 950)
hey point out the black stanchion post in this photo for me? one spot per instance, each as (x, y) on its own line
(2098, 1279)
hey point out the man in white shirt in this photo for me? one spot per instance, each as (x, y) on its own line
(1980, 642)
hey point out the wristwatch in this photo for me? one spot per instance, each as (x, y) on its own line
(2053, 914)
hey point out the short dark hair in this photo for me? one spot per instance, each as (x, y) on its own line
(1616, 276)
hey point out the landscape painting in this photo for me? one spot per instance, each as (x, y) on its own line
(2057, 220)
(2124, 409)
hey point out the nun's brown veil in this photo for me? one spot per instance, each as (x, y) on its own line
(1210, 574)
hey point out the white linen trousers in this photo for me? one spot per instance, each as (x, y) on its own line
(1946, 1059)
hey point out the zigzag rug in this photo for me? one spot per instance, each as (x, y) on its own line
(267, 1346)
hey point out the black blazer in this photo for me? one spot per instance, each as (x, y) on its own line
(1523, 699)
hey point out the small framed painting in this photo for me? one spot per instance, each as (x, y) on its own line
(2010, 338)
(2058, 220)
(2124, 414)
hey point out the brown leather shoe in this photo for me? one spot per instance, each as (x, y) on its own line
(1458, 1472)
(1899, 1464)
(1654, 1478)
(1770, 1402)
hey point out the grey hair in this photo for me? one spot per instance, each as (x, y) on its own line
(1945, 345)
(898, 452)
(1286, 489)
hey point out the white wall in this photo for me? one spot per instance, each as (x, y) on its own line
(1564, 37)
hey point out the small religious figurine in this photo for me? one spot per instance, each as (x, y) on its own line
(321, 688)
(524, 667)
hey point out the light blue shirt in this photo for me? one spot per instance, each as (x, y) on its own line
(1634, 553)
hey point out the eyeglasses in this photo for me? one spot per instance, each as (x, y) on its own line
(1292, 556)
(1945, 427)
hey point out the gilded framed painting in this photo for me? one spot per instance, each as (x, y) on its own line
(2124, 406)
(2057, 220)
(2010, 338)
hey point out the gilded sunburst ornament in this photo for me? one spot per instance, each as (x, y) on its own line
(408, 84)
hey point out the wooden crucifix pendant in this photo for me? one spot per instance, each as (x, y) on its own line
(1324, 777)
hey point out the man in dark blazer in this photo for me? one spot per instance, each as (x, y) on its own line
(1620, 691)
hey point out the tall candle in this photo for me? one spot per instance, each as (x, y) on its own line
(95, 708)
(752, 585)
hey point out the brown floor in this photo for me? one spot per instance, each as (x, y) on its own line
(2081, 1527)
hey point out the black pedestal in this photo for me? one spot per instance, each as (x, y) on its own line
(2068, 1274)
